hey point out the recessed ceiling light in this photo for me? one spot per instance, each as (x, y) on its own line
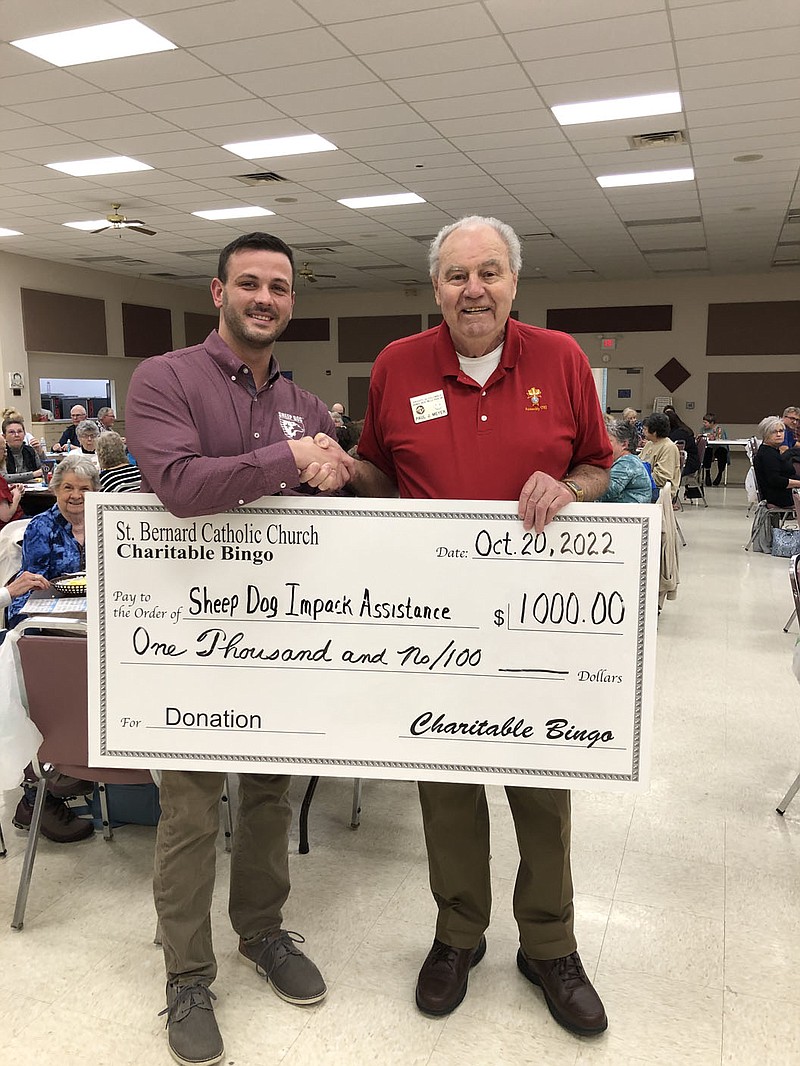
(113, 164)
(392, 200)
(233, 212)
(285, 199)
(651, 177)
(10, 232)
(751, 158)
(275, 146)
(95, 223)
(112, 40)
(622, 107)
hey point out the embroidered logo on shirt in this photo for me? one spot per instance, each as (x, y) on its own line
(534, 396)
(293, 426)
(429, 405)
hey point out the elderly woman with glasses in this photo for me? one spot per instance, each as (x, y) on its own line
(774, 470)
(54, 540)
(87, 433)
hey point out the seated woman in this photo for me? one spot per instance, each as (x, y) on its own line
(775, 473)
(54, 540)
(630, 416)
(10, 509)
(629, 482)
(116, 472)
(23, 463)
(660, 452)
(87, 433)
(680, 432)
(713, 431)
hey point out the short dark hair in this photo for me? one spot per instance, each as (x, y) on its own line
(625, 433)
(657, 424)
(709, 417)
(261, 242)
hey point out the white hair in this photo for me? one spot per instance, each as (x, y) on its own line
(509, 237)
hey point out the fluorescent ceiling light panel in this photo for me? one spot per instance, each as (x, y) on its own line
(276, 146)
(95, 223)
(233, 212)
(650, 177)
(9, 232)
(112, 40)
(113, 164)
(393, 200)
(623, 107)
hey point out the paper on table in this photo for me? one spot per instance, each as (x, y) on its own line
(55, 605)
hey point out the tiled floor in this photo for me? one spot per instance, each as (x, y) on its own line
(688, 898)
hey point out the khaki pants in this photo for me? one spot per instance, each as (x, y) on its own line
(185, 861)
(456, 821)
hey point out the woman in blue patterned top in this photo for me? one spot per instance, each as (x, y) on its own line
(628, 482)
(54, 540)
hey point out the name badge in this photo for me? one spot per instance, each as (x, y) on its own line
(431, 405)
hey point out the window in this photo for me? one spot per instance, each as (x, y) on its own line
(60, 394)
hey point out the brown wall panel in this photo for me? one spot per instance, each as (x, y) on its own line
(751, 397)
(357, 391)
(360, 339)
(307, 329)
(146, 330)
(198, 326)
(646, 318)
(769, 328)
(57, 322)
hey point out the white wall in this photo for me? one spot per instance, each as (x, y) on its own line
(20, 272)
(315, 364)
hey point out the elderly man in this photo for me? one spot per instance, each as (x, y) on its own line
(791, 430)
(69, 437)
(106, 417)
(338, 409)
(214, 427)
(486, 408)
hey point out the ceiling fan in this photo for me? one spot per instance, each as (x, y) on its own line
(309, 275)
(119, 222)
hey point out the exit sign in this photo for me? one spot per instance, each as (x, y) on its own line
(608, 343)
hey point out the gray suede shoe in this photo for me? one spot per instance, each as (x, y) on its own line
(293, 977)
(192, 1033)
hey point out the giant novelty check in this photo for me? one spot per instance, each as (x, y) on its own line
(401, 639)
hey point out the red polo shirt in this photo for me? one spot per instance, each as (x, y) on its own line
(440, 435)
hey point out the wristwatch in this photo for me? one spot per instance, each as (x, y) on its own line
(573, 486)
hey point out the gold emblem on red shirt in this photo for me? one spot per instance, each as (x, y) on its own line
(534, 395)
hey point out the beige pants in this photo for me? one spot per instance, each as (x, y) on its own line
(456, 820)
(185, 862)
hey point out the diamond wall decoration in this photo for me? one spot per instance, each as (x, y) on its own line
(672, 375)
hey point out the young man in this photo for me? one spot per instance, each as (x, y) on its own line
(214, 427)
(486, 408)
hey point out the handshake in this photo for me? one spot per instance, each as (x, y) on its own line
(322, 463)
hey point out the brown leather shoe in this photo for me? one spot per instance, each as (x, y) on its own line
(442, 981)
(568, 992)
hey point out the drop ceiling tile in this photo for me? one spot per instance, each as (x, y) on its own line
(510, 15)
(438, 86)
(330, 74)
(523, 101)
(140, 147)
(14, 61)
(535, 154)
(730, 47)
(189, 157)
(228, 21)
(271, 124)
(411, 132)
(613, 33)
(329, 124)
(720, 116)
(603, 64)
(186, 94)
(469, 55)
(34, 137)
(77, 108)
(136, 125)
(47, 85)
(417, 152)
(300, 46)
(462, 22)
(161, 68)
(503, 138)
(740, 73)
(348, 98)
(737, 16)
(734, 95)
(152, 7)
(348, 10)
(10, 120)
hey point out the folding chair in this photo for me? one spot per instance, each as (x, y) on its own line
(305, 806)
(60, 715)
(695, 480)
(794, 581)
